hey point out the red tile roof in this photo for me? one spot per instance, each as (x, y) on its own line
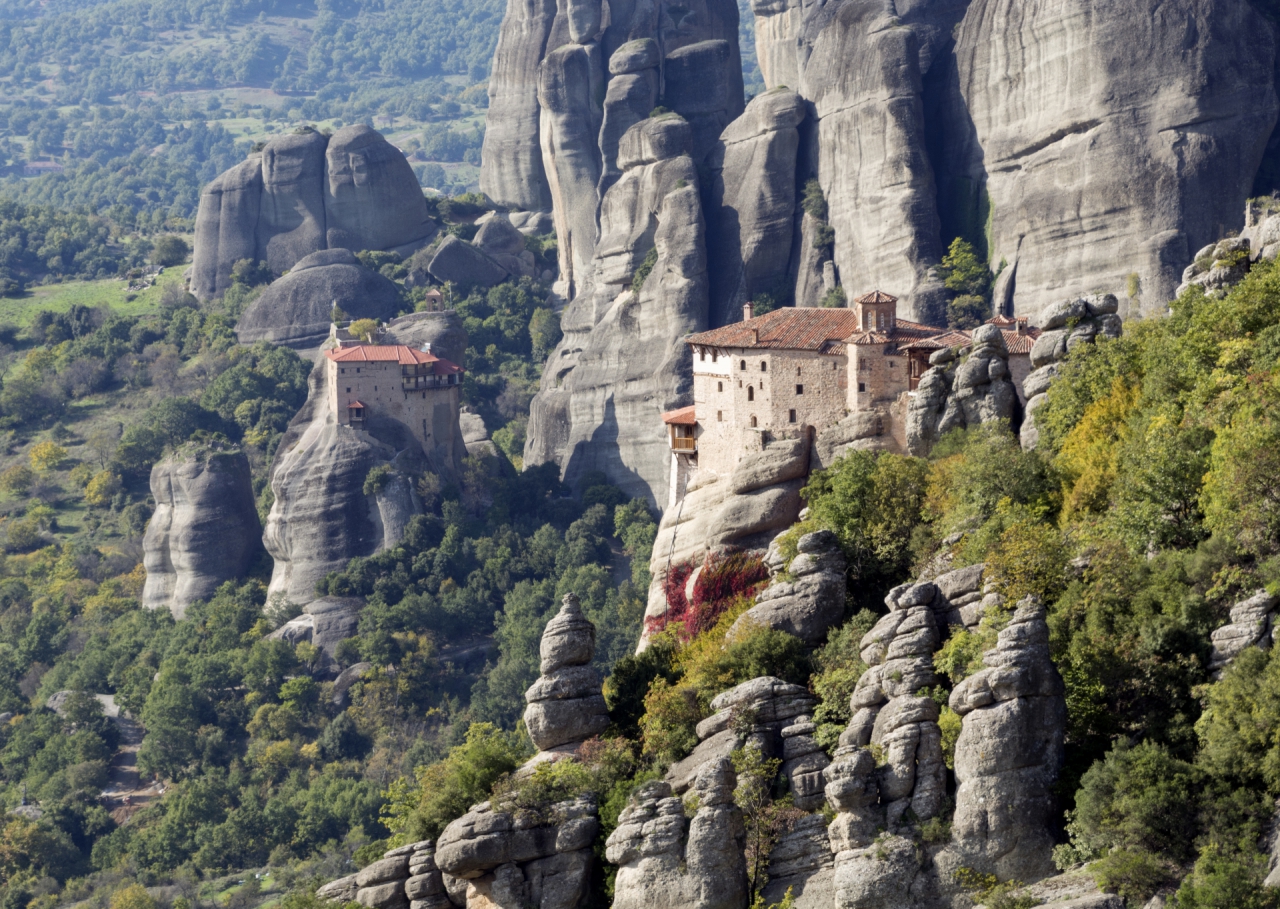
(937, 342)
(684, 416)
(1020, 342)
(355, 404)
(804, 328)
(789, 328)
(876, 296)
(391, 353)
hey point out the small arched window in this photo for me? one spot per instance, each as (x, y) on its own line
(743, 367)
(753, 422)
(764, 367)
(797, 370)
(751, 393)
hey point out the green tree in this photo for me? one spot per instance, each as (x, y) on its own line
(169, 250)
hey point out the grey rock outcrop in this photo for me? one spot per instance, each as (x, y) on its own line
(764, 713)
(515, 862)
(297, 309)
(443, 331)
(751, 216)
(806, 597)
(957, 394)
(304, 192)
(802, 863)
(205, 528)
(745, 510)
(325, 623)
(632, 94)
(888, 712)
(1160, 181)
(700, 87)
(667, 860)
(565, 706)
(404, 878)
(466, 265)
(1008, 755)
(1068, 324)
(622, 361)
(1251, 625)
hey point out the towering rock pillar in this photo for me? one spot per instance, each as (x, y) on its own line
(511, 171)
(565, 705)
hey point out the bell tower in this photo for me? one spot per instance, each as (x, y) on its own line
(876, 311)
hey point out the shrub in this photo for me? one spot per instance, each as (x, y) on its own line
(17, 479)
(364, 329)
(169, 250)
(1222, 879)
(671, 715)
(839, 664)
(643, 270)
(102, 488)
(46, 456)
(1133, 874)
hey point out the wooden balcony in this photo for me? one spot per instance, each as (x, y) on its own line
(684, 444)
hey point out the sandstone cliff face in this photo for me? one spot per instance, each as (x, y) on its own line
(864, 80)
(302, 193)
(1107, 139)
(751, 215)
(204, 530)
(297, 309)
(622, 361)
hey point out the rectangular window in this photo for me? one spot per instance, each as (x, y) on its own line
(719, 416)
(348, 391)
(793, 416)
(799, 389)
(862, 386)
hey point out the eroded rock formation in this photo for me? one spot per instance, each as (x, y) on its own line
(1092, 153)
(404, 878)
(205, 528)
(1067, 325)
(622, 360)
(805, 597)
(565, 704)
(497, 859)
(1008, 755)
(304, 192)
(1251, 625)
(325, 623)
(666, 859)
(321, 517)
(962, 388)
(297, 309)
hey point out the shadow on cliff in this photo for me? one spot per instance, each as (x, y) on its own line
(601, 452)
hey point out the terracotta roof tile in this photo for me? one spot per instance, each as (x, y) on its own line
(876, 296)
(805, 328)
(391, 353)
(684, 416)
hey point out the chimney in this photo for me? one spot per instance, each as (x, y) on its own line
(426, 347)
(755, 334)
(746, 311)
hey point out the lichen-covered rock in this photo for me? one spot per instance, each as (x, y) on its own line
(1008, 755)
(297, 309)
(205, 528)
(565, 705)
(302, 193)
(667, 860)
(806, 598)
(751, 217)
(1251, 625)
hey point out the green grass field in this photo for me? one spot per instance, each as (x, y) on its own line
(110, 292)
